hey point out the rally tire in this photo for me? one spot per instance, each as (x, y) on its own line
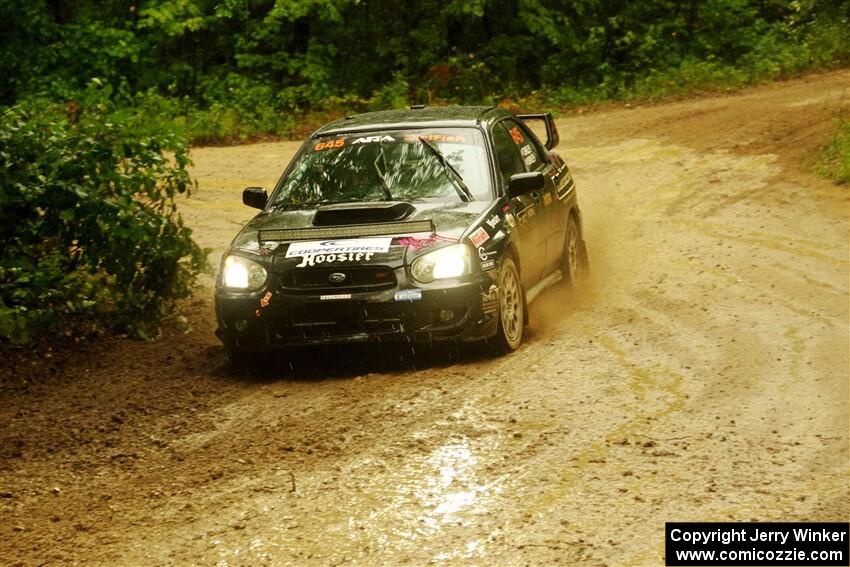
(511, 309)
(574, 263)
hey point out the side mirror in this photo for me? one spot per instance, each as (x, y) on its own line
(522, 183)
(255, 197)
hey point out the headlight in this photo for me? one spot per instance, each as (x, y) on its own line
(449, 262)
(242, 273)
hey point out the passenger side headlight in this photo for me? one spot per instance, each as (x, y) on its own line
(449, 262)
(242, 273)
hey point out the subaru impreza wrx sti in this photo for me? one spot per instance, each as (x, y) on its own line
(428, 224)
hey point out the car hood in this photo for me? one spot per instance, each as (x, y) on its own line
(451, 221)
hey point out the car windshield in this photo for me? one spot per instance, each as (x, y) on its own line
(388, 165)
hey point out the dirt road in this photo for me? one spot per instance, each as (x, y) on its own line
(702, 376)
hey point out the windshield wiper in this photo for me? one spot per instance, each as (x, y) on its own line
(383, 179)
(461, 188)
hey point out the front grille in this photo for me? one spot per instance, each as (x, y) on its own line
(345, 318)
(341, 318)
(360, 278)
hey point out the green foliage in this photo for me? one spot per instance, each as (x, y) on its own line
(235, 69)
(391, 95)
(461, 77)
(92, 238)
(236, 108)
(835, 155)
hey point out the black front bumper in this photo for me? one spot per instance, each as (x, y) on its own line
(280, 316)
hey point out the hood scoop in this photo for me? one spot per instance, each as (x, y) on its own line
(362, 213)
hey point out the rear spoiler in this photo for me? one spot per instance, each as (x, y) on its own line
(552, 137)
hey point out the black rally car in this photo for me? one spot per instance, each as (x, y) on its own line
(428, 224)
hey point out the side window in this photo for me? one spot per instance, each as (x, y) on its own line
(507, 152)
(528, 147)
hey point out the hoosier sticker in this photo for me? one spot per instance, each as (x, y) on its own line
(313, 259)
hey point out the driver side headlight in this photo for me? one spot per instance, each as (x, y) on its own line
(242, 273)
(449, 262)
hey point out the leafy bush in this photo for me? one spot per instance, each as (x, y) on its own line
(826, 40)
(92, 238)
(238, 108)
(391, 95)
(460, 78)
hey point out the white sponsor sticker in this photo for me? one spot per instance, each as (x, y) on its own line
(313, 259)
(370, 139)
(479, 236)
(335, 297)
(408, 295)
(344, 246)
(488, 265)
(493, 221)
(511, 220)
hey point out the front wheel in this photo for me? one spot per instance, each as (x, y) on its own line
(511, 308)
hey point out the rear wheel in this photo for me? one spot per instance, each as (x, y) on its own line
(511, 308)
(574, 264)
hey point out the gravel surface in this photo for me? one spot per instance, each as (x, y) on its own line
(701, 375)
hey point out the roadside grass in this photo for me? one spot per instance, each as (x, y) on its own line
(834, 156)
